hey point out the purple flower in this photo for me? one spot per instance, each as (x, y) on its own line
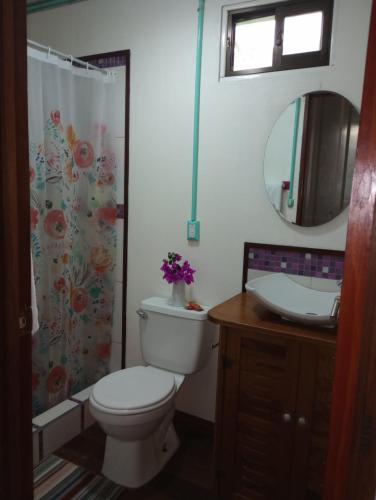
(174, 272)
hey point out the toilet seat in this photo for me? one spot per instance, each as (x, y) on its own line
(133, 390)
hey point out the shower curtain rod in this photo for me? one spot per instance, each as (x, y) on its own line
(72, 59)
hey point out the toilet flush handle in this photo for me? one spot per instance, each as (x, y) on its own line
(142, 313)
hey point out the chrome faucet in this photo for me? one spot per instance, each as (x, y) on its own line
(142, 313)
(336, 304)
(334, 314)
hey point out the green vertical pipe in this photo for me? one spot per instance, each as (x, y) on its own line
(196, 120)
(47, 4)
(290, 201)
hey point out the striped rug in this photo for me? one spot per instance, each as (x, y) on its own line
(55, 478)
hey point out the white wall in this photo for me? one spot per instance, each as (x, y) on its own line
(236, 118)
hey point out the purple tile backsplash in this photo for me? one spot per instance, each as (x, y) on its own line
(110, 61)
(317, 265)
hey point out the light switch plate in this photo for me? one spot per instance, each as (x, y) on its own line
(193, 230)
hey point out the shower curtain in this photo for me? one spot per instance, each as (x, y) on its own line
(73, 216)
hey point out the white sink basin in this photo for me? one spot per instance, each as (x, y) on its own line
(285, 297)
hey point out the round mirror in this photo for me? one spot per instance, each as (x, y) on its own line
(310, 157)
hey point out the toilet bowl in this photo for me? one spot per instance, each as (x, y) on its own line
(135, 406)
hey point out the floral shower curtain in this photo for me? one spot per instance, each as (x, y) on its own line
(73, 216)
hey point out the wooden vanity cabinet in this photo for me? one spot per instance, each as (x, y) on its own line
(273, 404)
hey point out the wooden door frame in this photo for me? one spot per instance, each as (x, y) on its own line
(15, 331)
(351, 467)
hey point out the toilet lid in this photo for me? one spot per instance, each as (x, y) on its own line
(134, 388)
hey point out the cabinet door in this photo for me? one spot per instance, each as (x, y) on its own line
(259, 397)
(312, 430)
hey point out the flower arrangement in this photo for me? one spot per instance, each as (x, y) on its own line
(173, 272)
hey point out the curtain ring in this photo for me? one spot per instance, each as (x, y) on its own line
(87, 66)
(49, 52)
(71, 60)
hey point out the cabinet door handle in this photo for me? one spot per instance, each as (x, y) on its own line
(286, 418)
(302, 421)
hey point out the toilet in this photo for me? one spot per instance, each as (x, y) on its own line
(135, 406)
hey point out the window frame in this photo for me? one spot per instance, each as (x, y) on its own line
(281, 10)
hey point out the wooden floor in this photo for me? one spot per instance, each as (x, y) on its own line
(188, 475)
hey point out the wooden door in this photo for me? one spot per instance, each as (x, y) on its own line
(351, 471)
(259, 395)
(15, 341)
(312, 421)
(328, 156)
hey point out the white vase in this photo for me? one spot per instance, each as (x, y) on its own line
(178, 294)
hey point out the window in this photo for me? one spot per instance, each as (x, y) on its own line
(280, 36)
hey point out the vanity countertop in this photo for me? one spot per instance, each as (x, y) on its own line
(242, 311)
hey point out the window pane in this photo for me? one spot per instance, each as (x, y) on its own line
(254, 42)
(302, 33)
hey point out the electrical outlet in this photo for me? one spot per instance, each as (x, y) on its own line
(193, 230)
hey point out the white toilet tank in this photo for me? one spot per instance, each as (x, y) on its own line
(174, 338)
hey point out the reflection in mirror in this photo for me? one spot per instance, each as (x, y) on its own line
(310, 157)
